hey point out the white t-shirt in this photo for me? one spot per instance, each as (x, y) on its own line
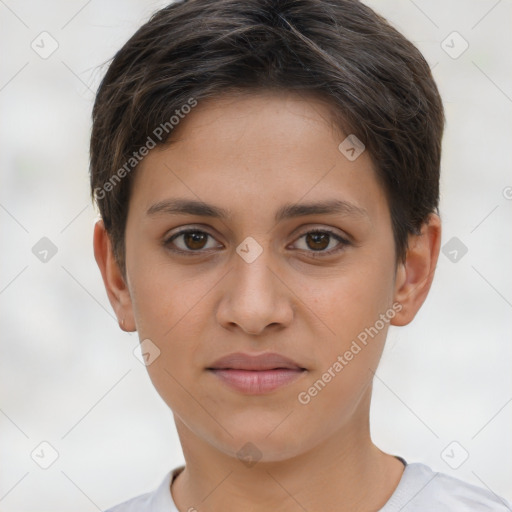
(420, 490)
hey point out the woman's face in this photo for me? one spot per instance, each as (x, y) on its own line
(257, 278)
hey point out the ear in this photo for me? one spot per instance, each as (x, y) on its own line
(115, 285)
(414, 277)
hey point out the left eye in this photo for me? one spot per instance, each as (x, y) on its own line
(317, 241)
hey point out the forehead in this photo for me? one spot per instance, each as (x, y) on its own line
(248, 150)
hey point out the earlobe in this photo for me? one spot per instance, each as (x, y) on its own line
(115, 285)
(414, 276)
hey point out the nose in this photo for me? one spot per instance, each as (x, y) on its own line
(255, 297)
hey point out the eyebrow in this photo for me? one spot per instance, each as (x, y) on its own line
(192, 207)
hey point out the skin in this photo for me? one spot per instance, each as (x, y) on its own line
(251, 154)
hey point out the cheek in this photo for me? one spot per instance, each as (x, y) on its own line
(351, 306)
(162, 298)
(153, 305)
(351, 300)
(169, 310)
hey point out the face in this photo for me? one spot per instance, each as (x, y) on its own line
(317, 284)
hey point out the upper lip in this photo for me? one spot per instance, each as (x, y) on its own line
(266, 361)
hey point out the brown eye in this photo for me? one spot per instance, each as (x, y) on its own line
(190, 240)
(318, 240)
(195, 240)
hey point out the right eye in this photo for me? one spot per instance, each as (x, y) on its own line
(191, 241)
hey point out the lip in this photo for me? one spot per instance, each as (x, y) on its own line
(257, 382)
(265, 361)
(256, 374)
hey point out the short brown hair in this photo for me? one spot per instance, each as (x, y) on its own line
(379, 85)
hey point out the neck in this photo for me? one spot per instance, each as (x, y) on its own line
(335, 474)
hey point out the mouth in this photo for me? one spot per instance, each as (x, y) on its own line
(258, 374)
(257, 382)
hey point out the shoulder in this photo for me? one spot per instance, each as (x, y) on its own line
(421, 489)
(158, 500)
(137, 504)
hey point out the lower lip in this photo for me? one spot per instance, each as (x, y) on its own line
(254, 382)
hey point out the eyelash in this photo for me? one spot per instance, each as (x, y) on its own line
(315, 254)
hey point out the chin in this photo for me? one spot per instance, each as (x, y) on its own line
(254, 444)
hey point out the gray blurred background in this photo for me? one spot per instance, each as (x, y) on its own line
(68, 376)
